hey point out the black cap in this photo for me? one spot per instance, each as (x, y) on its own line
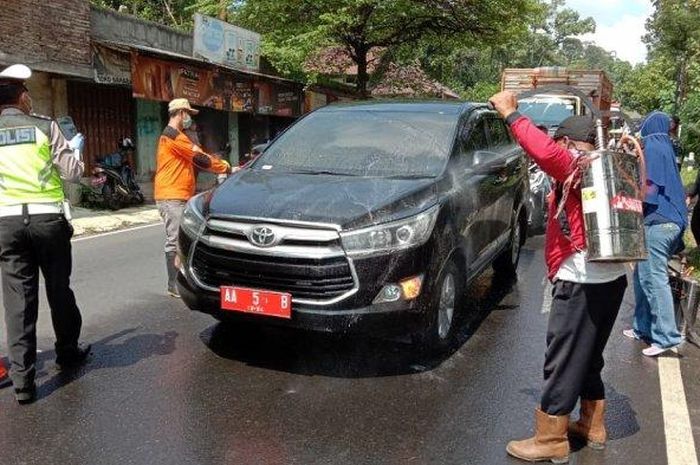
(578, 128)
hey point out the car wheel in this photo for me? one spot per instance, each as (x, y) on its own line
(506, 264)
(442, 313)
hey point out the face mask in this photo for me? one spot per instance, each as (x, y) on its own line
(187, 122)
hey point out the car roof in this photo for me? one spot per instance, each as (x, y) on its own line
(450, 107)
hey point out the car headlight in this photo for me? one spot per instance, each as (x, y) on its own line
(390, 237)
(193, 218)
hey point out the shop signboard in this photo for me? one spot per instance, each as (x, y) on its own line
(314, 100)
(154, 79)
(110, 66)
(288, 102)
(278, 100)
(225, 44)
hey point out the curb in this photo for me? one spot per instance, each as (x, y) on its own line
(101, 222)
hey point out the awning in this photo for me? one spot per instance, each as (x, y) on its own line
(125, 47)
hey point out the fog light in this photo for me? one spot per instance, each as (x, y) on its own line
(407, 289)
(411, 287)
(390, 293)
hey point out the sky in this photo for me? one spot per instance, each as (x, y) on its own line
(620, 25)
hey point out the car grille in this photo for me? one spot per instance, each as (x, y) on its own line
(312, 268)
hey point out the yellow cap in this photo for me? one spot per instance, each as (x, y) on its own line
(181, 104)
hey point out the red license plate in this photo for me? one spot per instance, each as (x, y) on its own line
(238, 299)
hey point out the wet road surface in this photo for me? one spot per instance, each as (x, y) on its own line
(167, 386)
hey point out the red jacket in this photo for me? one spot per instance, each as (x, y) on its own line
(558, 163)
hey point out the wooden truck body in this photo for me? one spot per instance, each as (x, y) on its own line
(577, 92)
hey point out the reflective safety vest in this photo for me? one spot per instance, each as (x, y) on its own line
(27, 173)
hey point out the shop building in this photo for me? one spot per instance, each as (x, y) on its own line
(239, 108)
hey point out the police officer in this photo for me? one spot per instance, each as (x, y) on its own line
(34, 232)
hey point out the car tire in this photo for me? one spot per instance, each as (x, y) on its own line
(506, 264)
(441, 316)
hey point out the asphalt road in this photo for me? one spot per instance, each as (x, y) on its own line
(167, 386)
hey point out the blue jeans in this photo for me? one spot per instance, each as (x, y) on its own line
(654, 316)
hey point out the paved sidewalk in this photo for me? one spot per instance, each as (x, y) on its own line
(87, 221)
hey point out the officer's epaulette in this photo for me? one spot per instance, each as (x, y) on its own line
(34, 115)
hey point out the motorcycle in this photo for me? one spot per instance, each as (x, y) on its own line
(540, 186)
(113, 184)
(111, 189)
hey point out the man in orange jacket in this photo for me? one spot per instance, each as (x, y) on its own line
(175, 177)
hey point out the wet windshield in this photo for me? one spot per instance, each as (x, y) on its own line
(547, 112)
(364, 143)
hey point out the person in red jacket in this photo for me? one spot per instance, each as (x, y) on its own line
(586, 296)
(3, 372)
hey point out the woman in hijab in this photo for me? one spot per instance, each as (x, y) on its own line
(665, 218)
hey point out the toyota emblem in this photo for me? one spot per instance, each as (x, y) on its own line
(262, 236)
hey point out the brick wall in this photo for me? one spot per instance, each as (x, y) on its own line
(47, 35)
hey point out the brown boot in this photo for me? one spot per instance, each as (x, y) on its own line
(550, 442)
(591, 424)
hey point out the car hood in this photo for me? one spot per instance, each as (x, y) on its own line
(347, 201)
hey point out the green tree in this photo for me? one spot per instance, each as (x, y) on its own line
(648, 87)
(673, 33)
(294, 28)
(172, 13)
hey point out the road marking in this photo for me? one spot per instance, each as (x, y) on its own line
(680, 445)
(547, 296)
(119, 231)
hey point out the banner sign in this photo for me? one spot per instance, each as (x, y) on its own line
(226, 44)
(155, 79)
(278, 100)
(110, 66)
(314, 100)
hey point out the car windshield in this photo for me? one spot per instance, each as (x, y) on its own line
(364, 143)
(547, 112)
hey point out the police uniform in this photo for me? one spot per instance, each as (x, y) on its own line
(35, 235)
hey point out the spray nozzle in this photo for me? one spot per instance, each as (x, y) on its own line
(600, 135)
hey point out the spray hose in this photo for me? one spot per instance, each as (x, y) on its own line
(637, 150)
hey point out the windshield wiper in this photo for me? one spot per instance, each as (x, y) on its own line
(322, 172)
(409, 176)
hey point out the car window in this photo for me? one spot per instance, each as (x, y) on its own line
(498, 133)
(474, 138)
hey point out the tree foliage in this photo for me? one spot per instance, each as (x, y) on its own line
(301, 26)
(464, 44)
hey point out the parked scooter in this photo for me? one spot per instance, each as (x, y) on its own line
(113, 183)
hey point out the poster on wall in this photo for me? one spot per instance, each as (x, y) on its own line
(110, 66)
(233, 94)
(278, 100)
(263, 91)
(288, 102)
(154, 79)
(314, 100)
(225, 44)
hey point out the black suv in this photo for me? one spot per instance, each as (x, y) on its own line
(368, 215)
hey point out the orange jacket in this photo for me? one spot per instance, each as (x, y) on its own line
(177, 158)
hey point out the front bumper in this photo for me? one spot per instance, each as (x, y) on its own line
(387, 318)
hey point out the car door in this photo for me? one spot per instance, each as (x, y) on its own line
(506, 175)
(472, 184)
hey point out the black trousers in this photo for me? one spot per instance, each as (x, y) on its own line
(28, 245)
(581, 319)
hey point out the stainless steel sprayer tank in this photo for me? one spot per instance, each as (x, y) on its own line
(613, 187)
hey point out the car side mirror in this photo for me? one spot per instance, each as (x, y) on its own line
(480, 157)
